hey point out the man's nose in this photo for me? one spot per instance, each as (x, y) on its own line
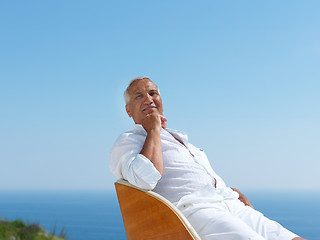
(148, 99)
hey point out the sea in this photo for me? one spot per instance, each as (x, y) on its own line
(95, 214)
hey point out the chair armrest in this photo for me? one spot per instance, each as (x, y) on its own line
(148, 215)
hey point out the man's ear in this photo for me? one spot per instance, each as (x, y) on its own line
(128, 111)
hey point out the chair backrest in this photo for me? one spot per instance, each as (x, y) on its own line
(149, 216)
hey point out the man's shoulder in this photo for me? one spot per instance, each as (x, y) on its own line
(136, 132)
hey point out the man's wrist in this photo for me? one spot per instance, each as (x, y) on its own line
(154, 131)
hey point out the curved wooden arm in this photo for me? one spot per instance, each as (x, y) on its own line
(149, 216)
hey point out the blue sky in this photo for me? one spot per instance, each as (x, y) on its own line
(240, 77)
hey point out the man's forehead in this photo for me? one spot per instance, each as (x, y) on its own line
(143, 85)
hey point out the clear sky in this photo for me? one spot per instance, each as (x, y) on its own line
(240, 77)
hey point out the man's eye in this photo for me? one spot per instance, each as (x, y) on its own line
(139, 96)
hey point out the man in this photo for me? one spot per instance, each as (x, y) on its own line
(154, 157)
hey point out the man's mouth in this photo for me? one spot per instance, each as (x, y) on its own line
(149, 107)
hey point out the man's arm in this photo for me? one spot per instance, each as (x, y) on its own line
(152, 145)
(243, 198)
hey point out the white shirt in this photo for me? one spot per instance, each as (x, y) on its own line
(187, 176)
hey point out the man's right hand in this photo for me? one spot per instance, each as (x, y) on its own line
(154, 121)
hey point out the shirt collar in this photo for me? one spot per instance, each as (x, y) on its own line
(177, 134)
(138, 127)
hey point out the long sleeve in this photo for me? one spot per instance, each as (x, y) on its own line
(126, 162)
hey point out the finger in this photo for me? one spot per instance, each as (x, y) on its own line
(249, 204)
(163, 119)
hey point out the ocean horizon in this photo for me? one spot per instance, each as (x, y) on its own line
(95, 214)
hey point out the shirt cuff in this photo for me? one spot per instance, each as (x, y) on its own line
(146, 175)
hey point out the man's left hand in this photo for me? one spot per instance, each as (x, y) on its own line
(243, 198)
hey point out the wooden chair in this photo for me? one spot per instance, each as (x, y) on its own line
(149, 216)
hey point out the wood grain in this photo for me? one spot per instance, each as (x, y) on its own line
(147, 218)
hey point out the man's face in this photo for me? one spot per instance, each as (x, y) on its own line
(144, 99)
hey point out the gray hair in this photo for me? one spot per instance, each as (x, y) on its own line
(132, 81)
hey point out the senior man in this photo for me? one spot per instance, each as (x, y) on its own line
(154, 157)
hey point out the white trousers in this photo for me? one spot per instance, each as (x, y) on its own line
(232, 220)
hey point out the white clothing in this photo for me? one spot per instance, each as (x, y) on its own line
(232, 220)
(187, 174)
(188, 181)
